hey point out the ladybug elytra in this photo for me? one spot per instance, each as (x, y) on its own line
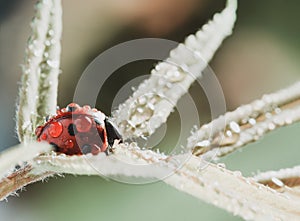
(77, 130)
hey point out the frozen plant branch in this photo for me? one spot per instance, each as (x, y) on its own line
(38, 93)
(211, 183)
(18, 179)
(19, 155)
(14, 167)
(234, 193)
(28, 95)
(247, 123)
(155, 98)
(37, 96)
(48, 81)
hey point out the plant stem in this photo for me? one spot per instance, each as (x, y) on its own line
(247, 123)
(153, 101)
(28, 95)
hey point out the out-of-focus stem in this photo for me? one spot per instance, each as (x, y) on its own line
(247, 123)
(155, 98)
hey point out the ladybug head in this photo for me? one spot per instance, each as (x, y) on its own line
(112, 132)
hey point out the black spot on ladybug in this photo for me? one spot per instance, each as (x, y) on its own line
(47, 118)
(70, 108)
(86, 148)
(112, 132)
(72, 130)
(56, 147)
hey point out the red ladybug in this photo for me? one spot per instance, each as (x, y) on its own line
(76, 130)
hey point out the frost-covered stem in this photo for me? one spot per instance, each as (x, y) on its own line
(234, 193)
(49, 72)
(20, 154)
(18, 179)
(154, 100)
(247, 123)
(28, 95)
(14, 167)
(211, 183)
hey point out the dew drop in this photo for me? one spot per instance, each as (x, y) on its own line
(204, 143)
(277, 110)
(288, 121)
(86, 148)
(252, 121)
(86, 107)
(55, 129)
(142, 100)
(235, 127)
(44, 137)
(277, 182)
(161, 82)
(143, 126)
(47, 43)
(37, 53)
(50, 32)
(53, 63)
(83, 124)
(139, 110)
(69, 144)
(175, 75)
(271, 126)
(169, 85)
(229, 133)
(31, 47)
(141, 114)
(151, 106)
(237, 173)
(244, 121)
(268, 115)
(278, 121)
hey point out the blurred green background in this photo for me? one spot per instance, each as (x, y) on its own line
(261, 56)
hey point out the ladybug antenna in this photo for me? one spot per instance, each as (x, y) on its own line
(112, 132)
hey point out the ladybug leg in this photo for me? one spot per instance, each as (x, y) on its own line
(112, 132)
(107, 151)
